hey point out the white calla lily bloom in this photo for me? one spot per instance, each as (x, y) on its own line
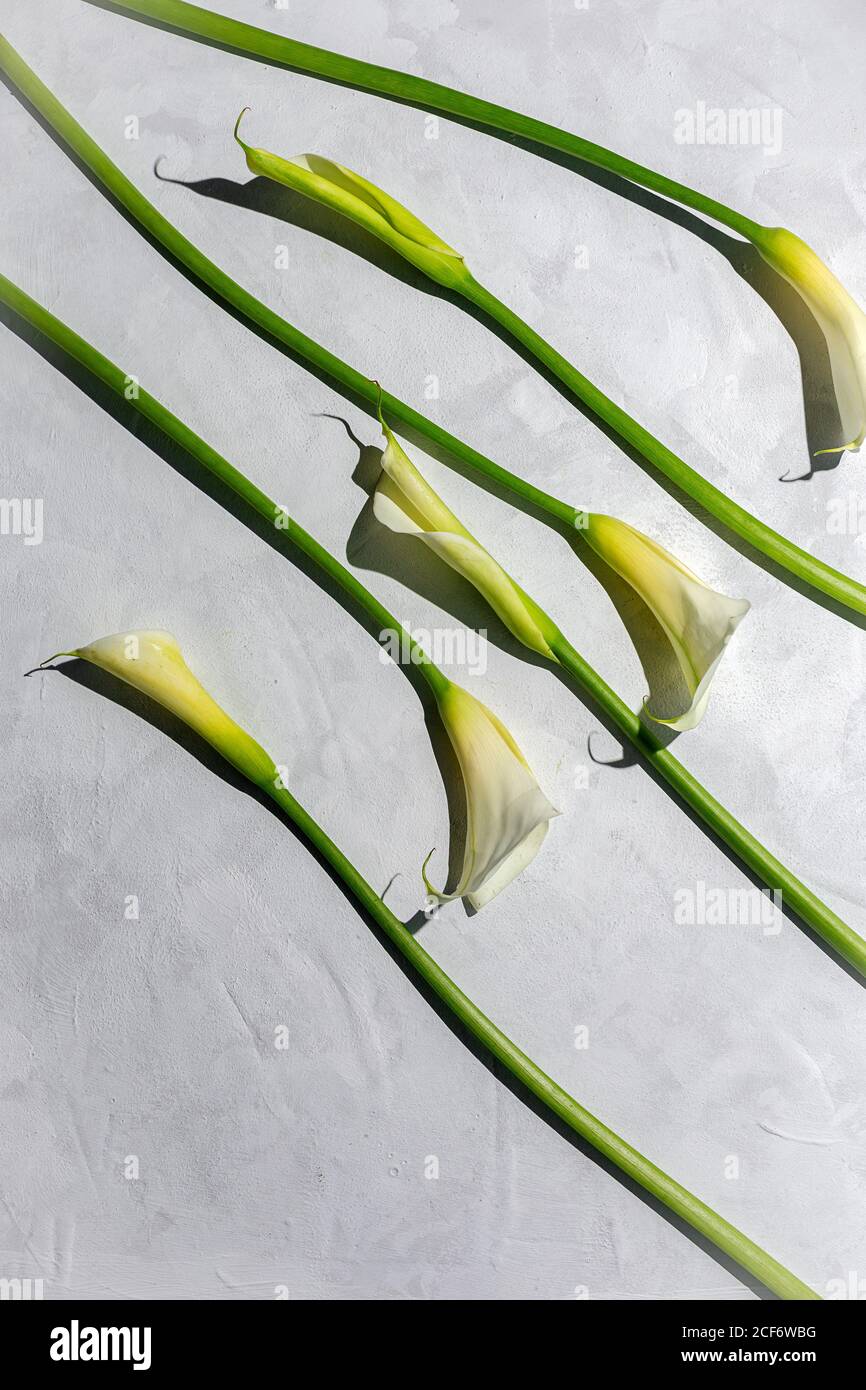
(507, 813)
(840, 318)
(405, 502)
(153, 663)
(698, 621)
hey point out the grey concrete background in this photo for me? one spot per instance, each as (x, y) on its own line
(715, 1049)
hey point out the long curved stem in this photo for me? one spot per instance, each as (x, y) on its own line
(814, 572)
(432, 96)
(126, 385)
(684, 1204)
(666, 1189)
(719, 821)
(775, 875)
(756, 532)
(184, 251)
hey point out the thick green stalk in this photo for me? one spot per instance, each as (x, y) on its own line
(184, 251)
(842, 588)
(684, 1204)
(757, 533)
(666, 1189)
(432, 96)
(126, 385)
(793, 894)
(719, 821)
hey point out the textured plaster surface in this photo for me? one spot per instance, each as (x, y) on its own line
(732, 1056)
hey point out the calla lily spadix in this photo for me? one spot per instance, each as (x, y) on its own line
(697, 620)
(840, 318)
(154, 664)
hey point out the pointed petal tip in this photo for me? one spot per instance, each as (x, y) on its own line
(237, 127)
(49, 659)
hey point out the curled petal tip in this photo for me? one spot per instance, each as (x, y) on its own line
(48, 660)
(237, 126)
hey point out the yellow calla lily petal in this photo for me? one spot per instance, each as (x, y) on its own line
(698, 621)
(840, 318)
(370, 207)
(405, 502)
(507, 813)
(153, 663)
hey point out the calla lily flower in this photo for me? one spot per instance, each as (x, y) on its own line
(698, 621)
(153, 663)
(507, 813)
(161, 675)
(371, 208)
(405, 502)
(840, 319)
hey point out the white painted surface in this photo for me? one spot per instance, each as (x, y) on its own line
(305, 1167)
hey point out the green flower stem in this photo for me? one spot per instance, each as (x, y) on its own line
(815, 913)
(684, 1204)
(431, 96)
(666, 1189)
(183, 250)
(794, 894)
(810, 570)
(757, 533)
(126, 386)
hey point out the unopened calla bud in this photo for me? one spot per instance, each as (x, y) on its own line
(355, 197)
(405, 502)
